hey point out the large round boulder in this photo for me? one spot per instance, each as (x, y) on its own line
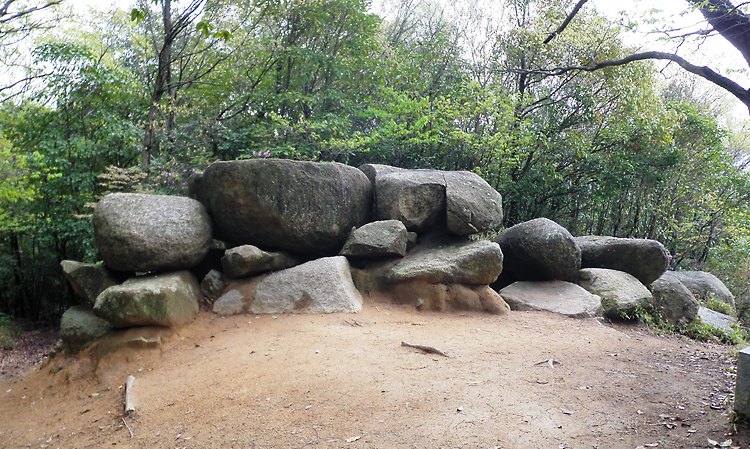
(137, 232)
(301, 207)
(79, 326)
(674, 299)
(621, 292)
(645, 259)
(705, 285)
(540, 250)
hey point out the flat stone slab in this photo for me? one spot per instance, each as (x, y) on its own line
(560, 297)
(742, 386)
(716, 319)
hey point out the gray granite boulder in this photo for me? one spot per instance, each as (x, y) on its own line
(414, 197)
(136, 232)
(169, 300)
(79, 326)
(716, 319)
(704, 284)
(621, 292)
(645, 259)
(472, 205)
(560, 297)
(674, 299)
(373, 170)
(540, 250)
(249, 260)
(463, 262)
(425, 200)
(377, 239)
(89, 279)
(320, 286)
(301, 207)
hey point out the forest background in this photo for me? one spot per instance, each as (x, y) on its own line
(136, 99)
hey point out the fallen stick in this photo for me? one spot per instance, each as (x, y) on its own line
(129, 406)
(129, 429)
(424, 348)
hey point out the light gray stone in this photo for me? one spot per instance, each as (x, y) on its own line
(472, 205)
(742, 384)
(169, 300)
(540, 250)
(79, 326)
(373, 170)
(716, 319)
(552, 296)
(249, 260)
(377, 239)
(136, 232)
(704, 284)
(645, 259)
(297, 206)
(674, 299)
(320, 286)
(89, 279)
(621, 292)
(463, 262)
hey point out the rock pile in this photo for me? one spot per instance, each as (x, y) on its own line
(304, 237)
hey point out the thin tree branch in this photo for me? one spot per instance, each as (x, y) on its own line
(567, 20)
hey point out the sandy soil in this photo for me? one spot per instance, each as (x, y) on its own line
(345, 381)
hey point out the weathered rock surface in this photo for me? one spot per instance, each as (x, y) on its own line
(89, 279)
(621, 292)
(300, 207)
(742, 385)
(463, 262)
(169, 300)
(552, 296)
(540, 250)
(674, 299)
(704, 284)
(248, 260)
(425, 200)
(213, 284)
(450, 297)
(320, 286)
(716, 319)
(79, 326)
(472, 205)
(136, 232)
(414, 197)
(373, 170)
(645, 259)
(377, 239)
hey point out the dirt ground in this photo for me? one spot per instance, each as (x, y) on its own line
(526, 380)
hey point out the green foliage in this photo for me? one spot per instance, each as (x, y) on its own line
(713, 303)
(8, 332)
(696, 329)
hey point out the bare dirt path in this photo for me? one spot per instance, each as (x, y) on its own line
(527, 380)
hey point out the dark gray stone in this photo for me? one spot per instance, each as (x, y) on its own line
(169, 300)
(540, 250)
(463, 262)
(377, 239)
(704, 284)
(674, 299)
(136, 232)
(645, 259)
(621, 292)
(742, 384)
(301, 207)
(249, 260)
(560, 297)
(89, 279)
(213, 284)
(79, 326)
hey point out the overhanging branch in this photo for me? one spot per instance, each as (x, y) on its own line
(567, 20)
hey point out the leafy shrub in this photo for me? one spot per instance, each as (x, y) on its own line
(8, 332)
